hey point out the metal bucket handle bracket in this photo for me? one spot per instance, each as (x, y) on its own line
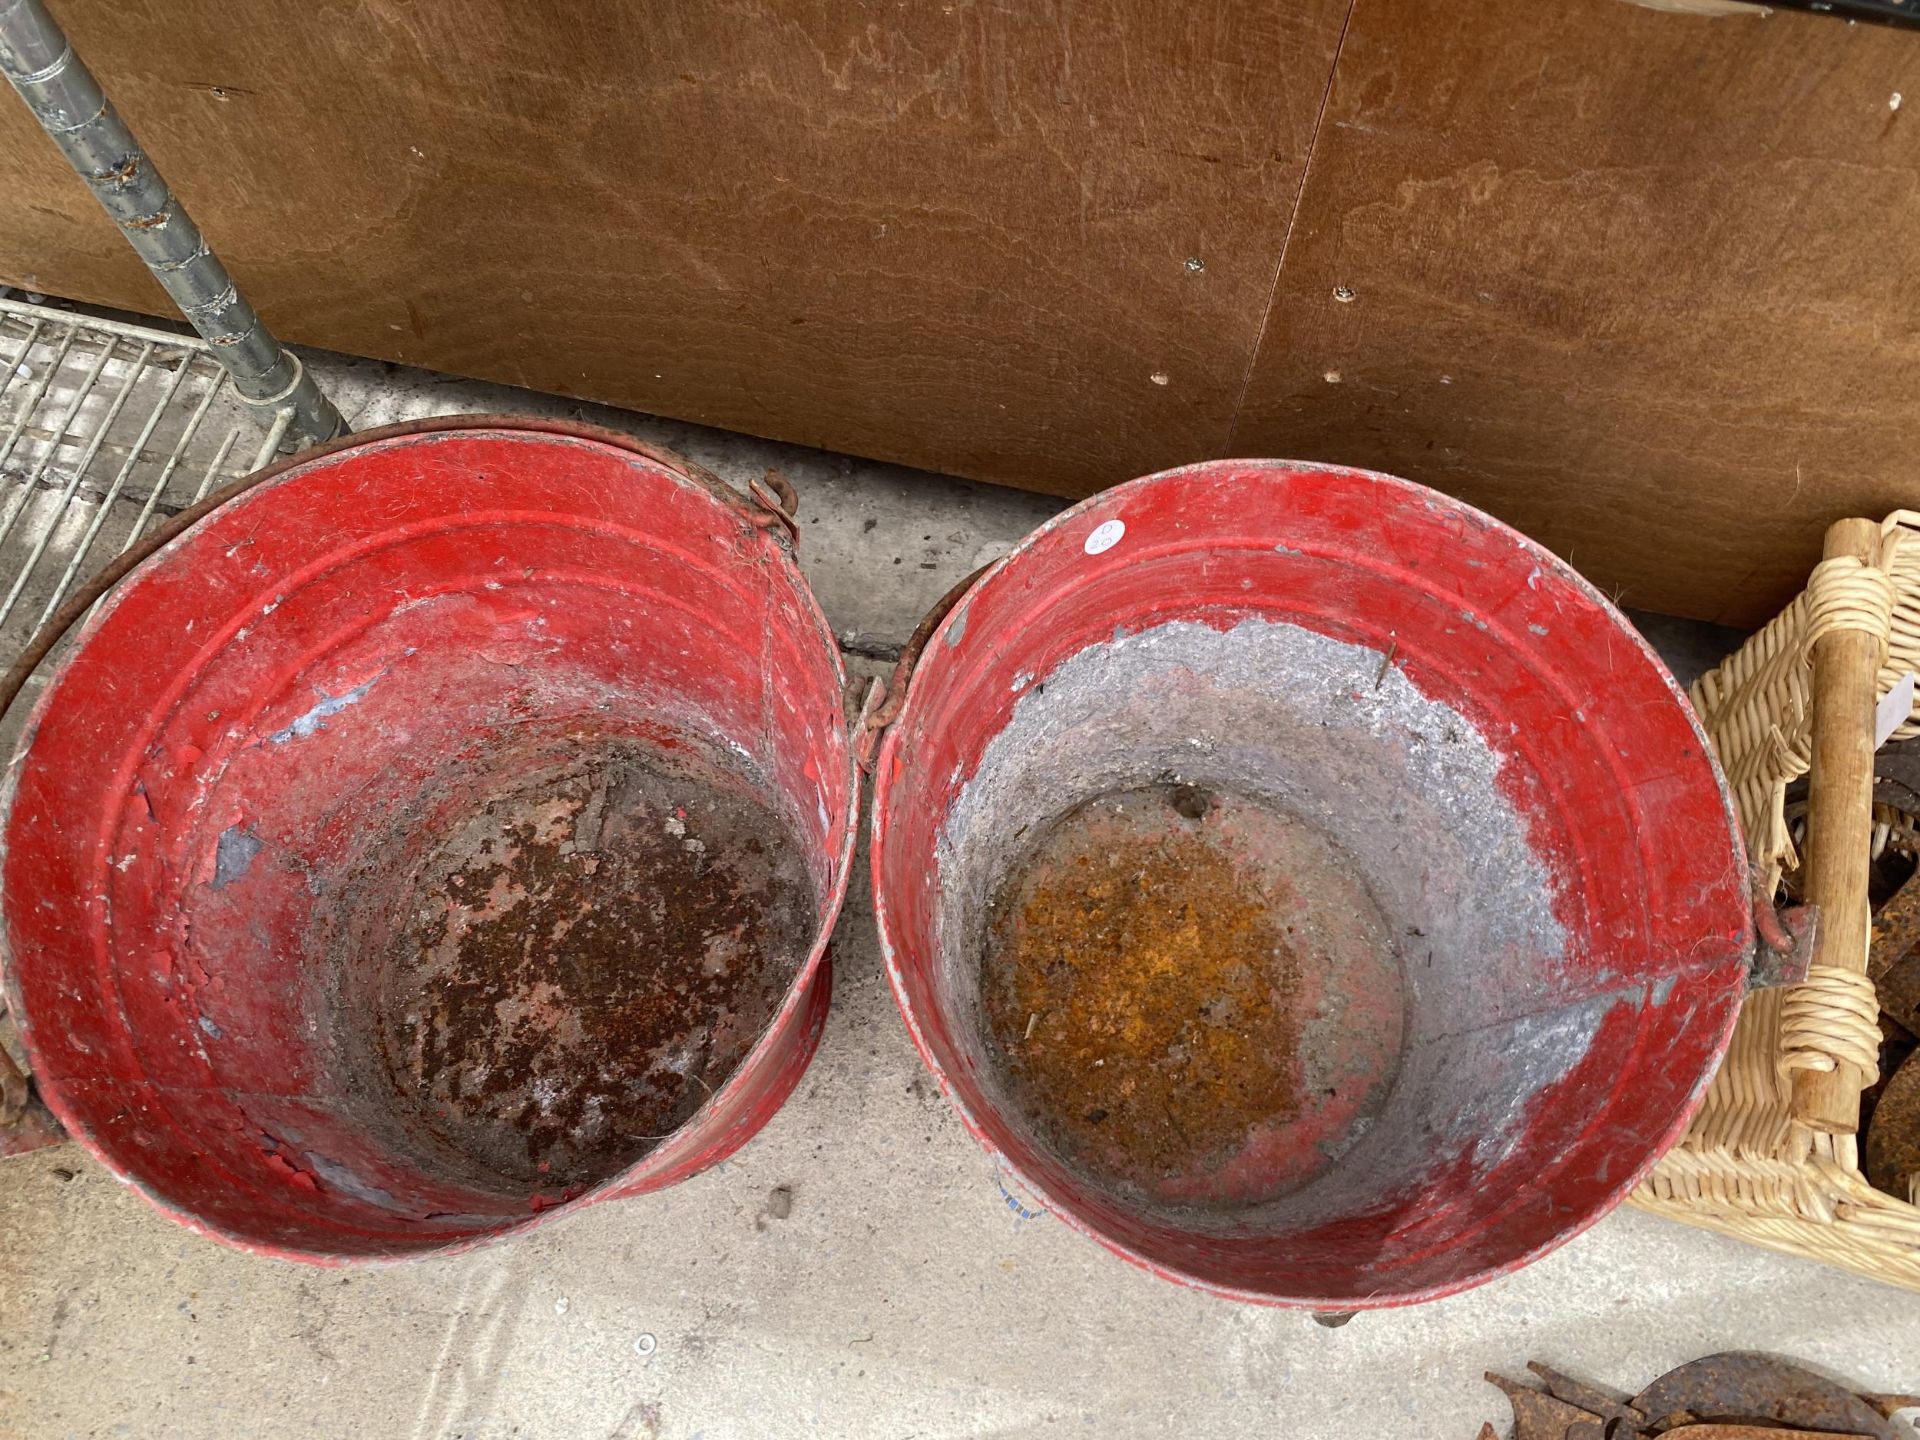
(892, 694)
(776, 496)
(1784, 942)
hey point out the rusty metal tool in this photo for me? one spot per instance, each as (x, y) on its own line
(1738, 1395)
(1744, 1386)
(1538, 1415)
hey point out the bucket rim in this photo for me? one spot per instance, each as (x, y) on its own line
(887, 763)
(811, 985)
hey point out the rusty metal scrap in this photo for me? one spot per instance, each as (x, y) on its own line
(1896, 928)
(1892, 1405)
(1743, 1385)
(1891, 1154)
(1898, 985)
(1737, 1395)
(1575, 1392)
(1540, 1416)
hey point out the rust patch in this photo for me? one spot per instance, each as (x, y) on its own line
(582, 961)
(1190, 996)
(1891, 1154)
(121, 174)
(1898, 986)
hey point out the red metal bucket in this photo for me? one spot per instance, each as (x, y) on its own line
(1309, 886)
(446, 829)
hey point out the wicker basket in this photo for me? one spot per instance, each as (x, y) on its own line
(1746, 1167)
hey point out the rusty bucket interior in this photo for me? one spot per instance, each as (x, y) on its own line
(1309, 887)
(446, 829)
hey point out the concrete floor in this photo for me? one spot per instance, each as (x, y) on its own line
(901, 1297)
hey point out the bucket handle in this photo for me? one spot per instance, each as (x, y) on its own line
(776, 496)
(892, 693)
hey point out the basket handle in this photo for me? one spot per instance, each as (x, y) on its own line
(1849, 618)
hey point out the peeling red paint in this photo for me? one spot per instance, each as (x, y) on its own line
(386, 603)
(1604, 1040)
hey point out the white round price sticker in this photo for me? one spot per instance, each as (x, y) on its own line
(1105, 536)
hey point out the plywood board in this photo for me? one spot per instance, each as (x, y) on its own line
(1641, 283)
(964, 235)
(1634, 280)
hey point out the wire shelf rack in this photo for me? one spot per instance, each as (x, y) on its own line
(106, 428)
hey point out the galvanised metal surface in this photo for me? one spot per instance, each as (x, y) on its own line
(359, 813)
(71, 107)
(1510, 777)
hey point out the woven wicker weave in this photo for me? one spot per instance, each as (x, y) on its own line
(1745, 1166)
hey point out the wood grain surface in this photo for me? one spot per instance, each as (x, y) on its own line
(956, 234)
(1635, 281)
(1640, 283)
